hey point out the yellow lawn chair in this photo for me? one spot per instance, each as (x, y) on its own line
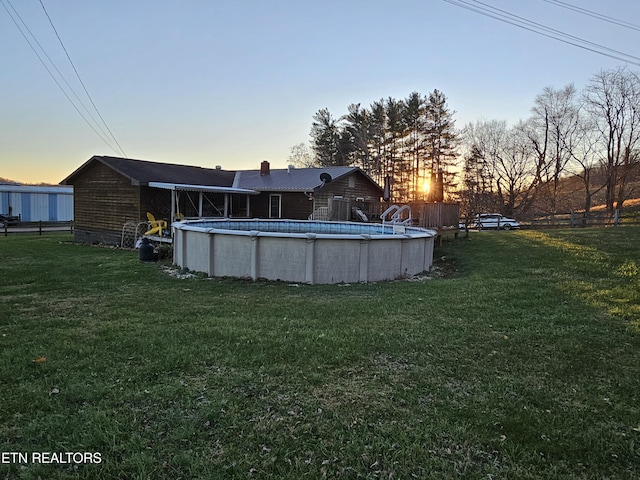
(156, 227)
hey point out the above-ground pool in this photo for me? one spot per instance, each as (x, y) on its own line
(302, 251)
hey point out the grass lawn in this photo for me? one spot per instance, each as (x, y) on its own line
(519, 358)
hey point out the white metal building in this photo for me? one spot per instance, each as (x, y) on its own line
(33, 203)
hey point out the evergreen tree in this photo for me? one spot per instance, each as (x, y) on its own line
(415, 120)
(331, 143)
(408, 140)
(440, 138)
(358, 126)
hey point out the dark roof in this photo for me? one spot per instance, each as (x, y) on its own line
(141, 172)
(293, 179)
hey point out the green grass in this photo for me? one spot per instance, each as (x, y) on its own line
(519, 358)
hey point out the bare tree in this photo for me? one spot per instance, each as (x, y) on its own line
(475, 195)
(555, 125)
(516, 173)
(506, 175)
(584, 162)
(612, 99)
(487, 138)
(301, 156)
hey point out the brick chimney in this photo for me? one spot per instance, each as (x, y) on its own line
(264, 168)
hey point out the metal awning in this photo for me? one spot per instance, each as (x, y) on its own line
(202, 188)
(176, 188)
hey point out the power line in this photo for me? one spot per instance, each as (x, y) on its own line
(548, 32)
(53, 77)
(52, 63)
(554, 31)
(593, 14)
(22, 29)
(80, 80)
(521, 22)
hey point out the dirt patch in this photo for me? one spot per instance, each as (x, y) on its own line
(176, 272)
(443, 267)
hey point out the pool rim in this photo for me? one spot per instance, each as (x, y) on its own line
(408, 232)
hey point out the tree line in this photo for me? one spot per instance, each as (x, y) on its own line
(410, 143)
(590, 136)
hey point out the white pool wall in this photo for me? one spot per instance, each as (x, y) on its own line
(314, 258)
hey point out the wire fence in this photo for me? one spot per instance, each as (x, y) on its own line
(582, 219)
(36, 227)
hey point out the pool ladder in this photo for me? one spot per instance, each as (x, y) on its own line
(396, 221)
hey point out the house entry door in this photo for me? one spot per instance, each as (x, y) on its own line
(275, 206)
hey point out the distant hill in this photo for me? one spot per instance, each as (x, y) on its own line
(10, 182)
(632, 204)
(6, 181)
(571, 195)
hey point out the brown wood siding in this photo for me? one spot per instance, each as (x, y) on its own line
(362, 188)
(104, 200)
(295, 205)
(155, 201)
(260, 205)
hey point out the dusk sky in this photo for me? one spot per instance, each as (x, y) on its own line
(232, 83)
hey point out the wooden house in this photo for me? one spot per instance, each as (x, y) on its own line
(328, 193)
(110, 192)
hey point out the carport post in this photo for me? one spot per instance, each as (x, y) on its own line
(173, 204)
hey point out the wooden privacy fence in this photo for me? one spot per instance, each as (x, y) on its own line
(339, 209)
(436, 215)
(582, 219)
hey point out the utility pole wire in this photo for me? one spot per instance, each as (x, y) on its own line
(52, 75)
(53, 64)
(102, 135)
(593, 14)
(624, 57)
(551, 30)
(80, 80)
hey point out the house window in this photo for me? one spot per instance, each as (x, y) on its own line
(275, 206)
(352, 182)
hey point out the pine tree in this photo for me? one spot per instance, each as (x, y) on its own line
(440, 139)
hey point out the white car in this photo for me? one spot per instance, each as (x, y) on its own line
(495, 220)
